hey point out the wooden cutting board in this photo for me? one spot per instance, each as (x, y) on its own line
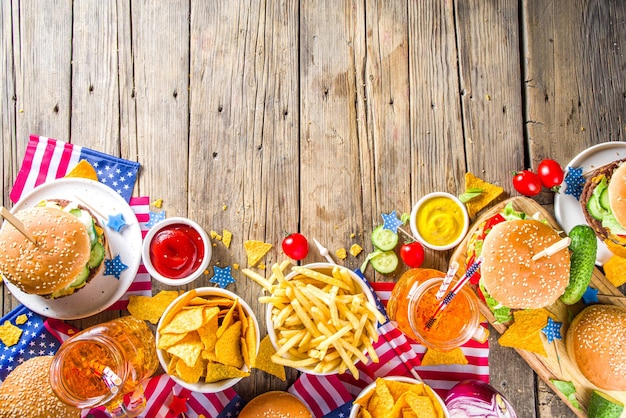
(548, 367)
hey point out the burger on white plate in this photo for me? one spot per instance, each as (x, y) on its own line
(603, 201)
(509, 277)
(69, 250)
(596, 343)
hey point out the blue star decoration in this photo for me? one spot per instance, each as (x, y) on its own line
(114, 267)
(155, 217)
(391, 221)
(590, 296)
(222, 276)
(552, 330)
(116, 222)
(575, 181)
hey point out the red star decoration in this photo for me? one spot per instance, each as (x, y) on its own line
(178, 405)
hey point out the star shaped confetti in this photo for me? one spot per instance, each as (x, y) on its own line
(552, 331)
(116, 222)
(222, 276)
(391, 221)
(155, 217)
(590, 296)
(114, 267)
(575, 181)
(178, 405)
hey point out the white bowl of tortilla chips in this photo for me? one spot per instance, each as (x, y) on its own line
(397, 396)
(321, 318)
(207, 339)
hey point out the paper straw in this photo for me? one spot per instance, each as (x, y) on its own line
(447, 280)
(471, 270)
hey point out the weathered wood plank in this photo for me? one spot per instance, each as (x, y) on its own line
(95, 89)
(489, 67)
(244, 151)
(160, 45)
(330, 177)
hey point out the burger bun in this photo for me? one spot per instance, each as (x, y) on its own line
(508, 272)
(596, 343)
(617, 194)
(61, 252)
(275, 404)
(26, 392)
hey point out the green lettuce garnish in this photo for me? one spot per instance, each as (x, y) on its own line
(500, 312)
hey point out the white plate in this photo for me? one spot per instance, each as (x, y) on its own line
(567, 209)
(102, 291)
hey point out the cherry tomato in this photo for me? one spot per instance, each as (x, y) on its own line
(550, 173)
(527, 183)
(412, 253)
(295, 246)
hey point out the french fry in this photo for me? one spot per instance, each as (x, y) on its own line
(265, 284)
(321, 277)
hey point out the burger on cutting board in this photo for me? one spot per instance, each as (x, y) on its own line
(69, 249)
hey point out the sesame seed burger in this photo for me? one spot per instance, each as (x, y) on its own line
(509, 278)
(603, 201)
(69, 250)
(596, 343)
(275, 404)
(26, 392)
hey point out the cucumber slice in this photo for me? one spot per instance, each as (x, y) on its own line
(384, 239)
(604, 199)
(81, 278)
(96, 256)
(87, 220)
(595, 209)
(385, 262)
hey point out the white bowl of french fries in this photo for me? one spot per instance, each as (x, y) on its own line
(321, 318)
(207, 339)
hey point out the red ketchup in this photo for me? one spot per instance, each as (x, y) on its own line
(176, 251)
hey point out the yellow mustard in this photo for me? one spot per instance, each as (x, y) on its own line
(439, 221)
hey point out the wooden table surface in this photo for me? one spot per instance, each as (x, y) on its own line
(279, 116)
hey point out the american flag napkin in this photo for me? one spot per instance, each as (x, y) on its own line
(41, 336)
(48, 159)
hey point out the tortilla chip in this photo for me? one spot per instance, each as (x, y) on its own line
(186, 320)
(436, 358)
(9, 334)
(151, 308)
(83, 170)
(256, 250)
(264, 361)
(188, 349)
(227, 236)
(228, 319)
(168, 340)
(615, 270)
(381, 401)
(217, 371)
(173, 311)
(525, 331)
(21, 319)
(228, 346)
(191, 374)
(615, 248)
(341, 253)
(355, 250)
(490, 193)
(421, 405)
